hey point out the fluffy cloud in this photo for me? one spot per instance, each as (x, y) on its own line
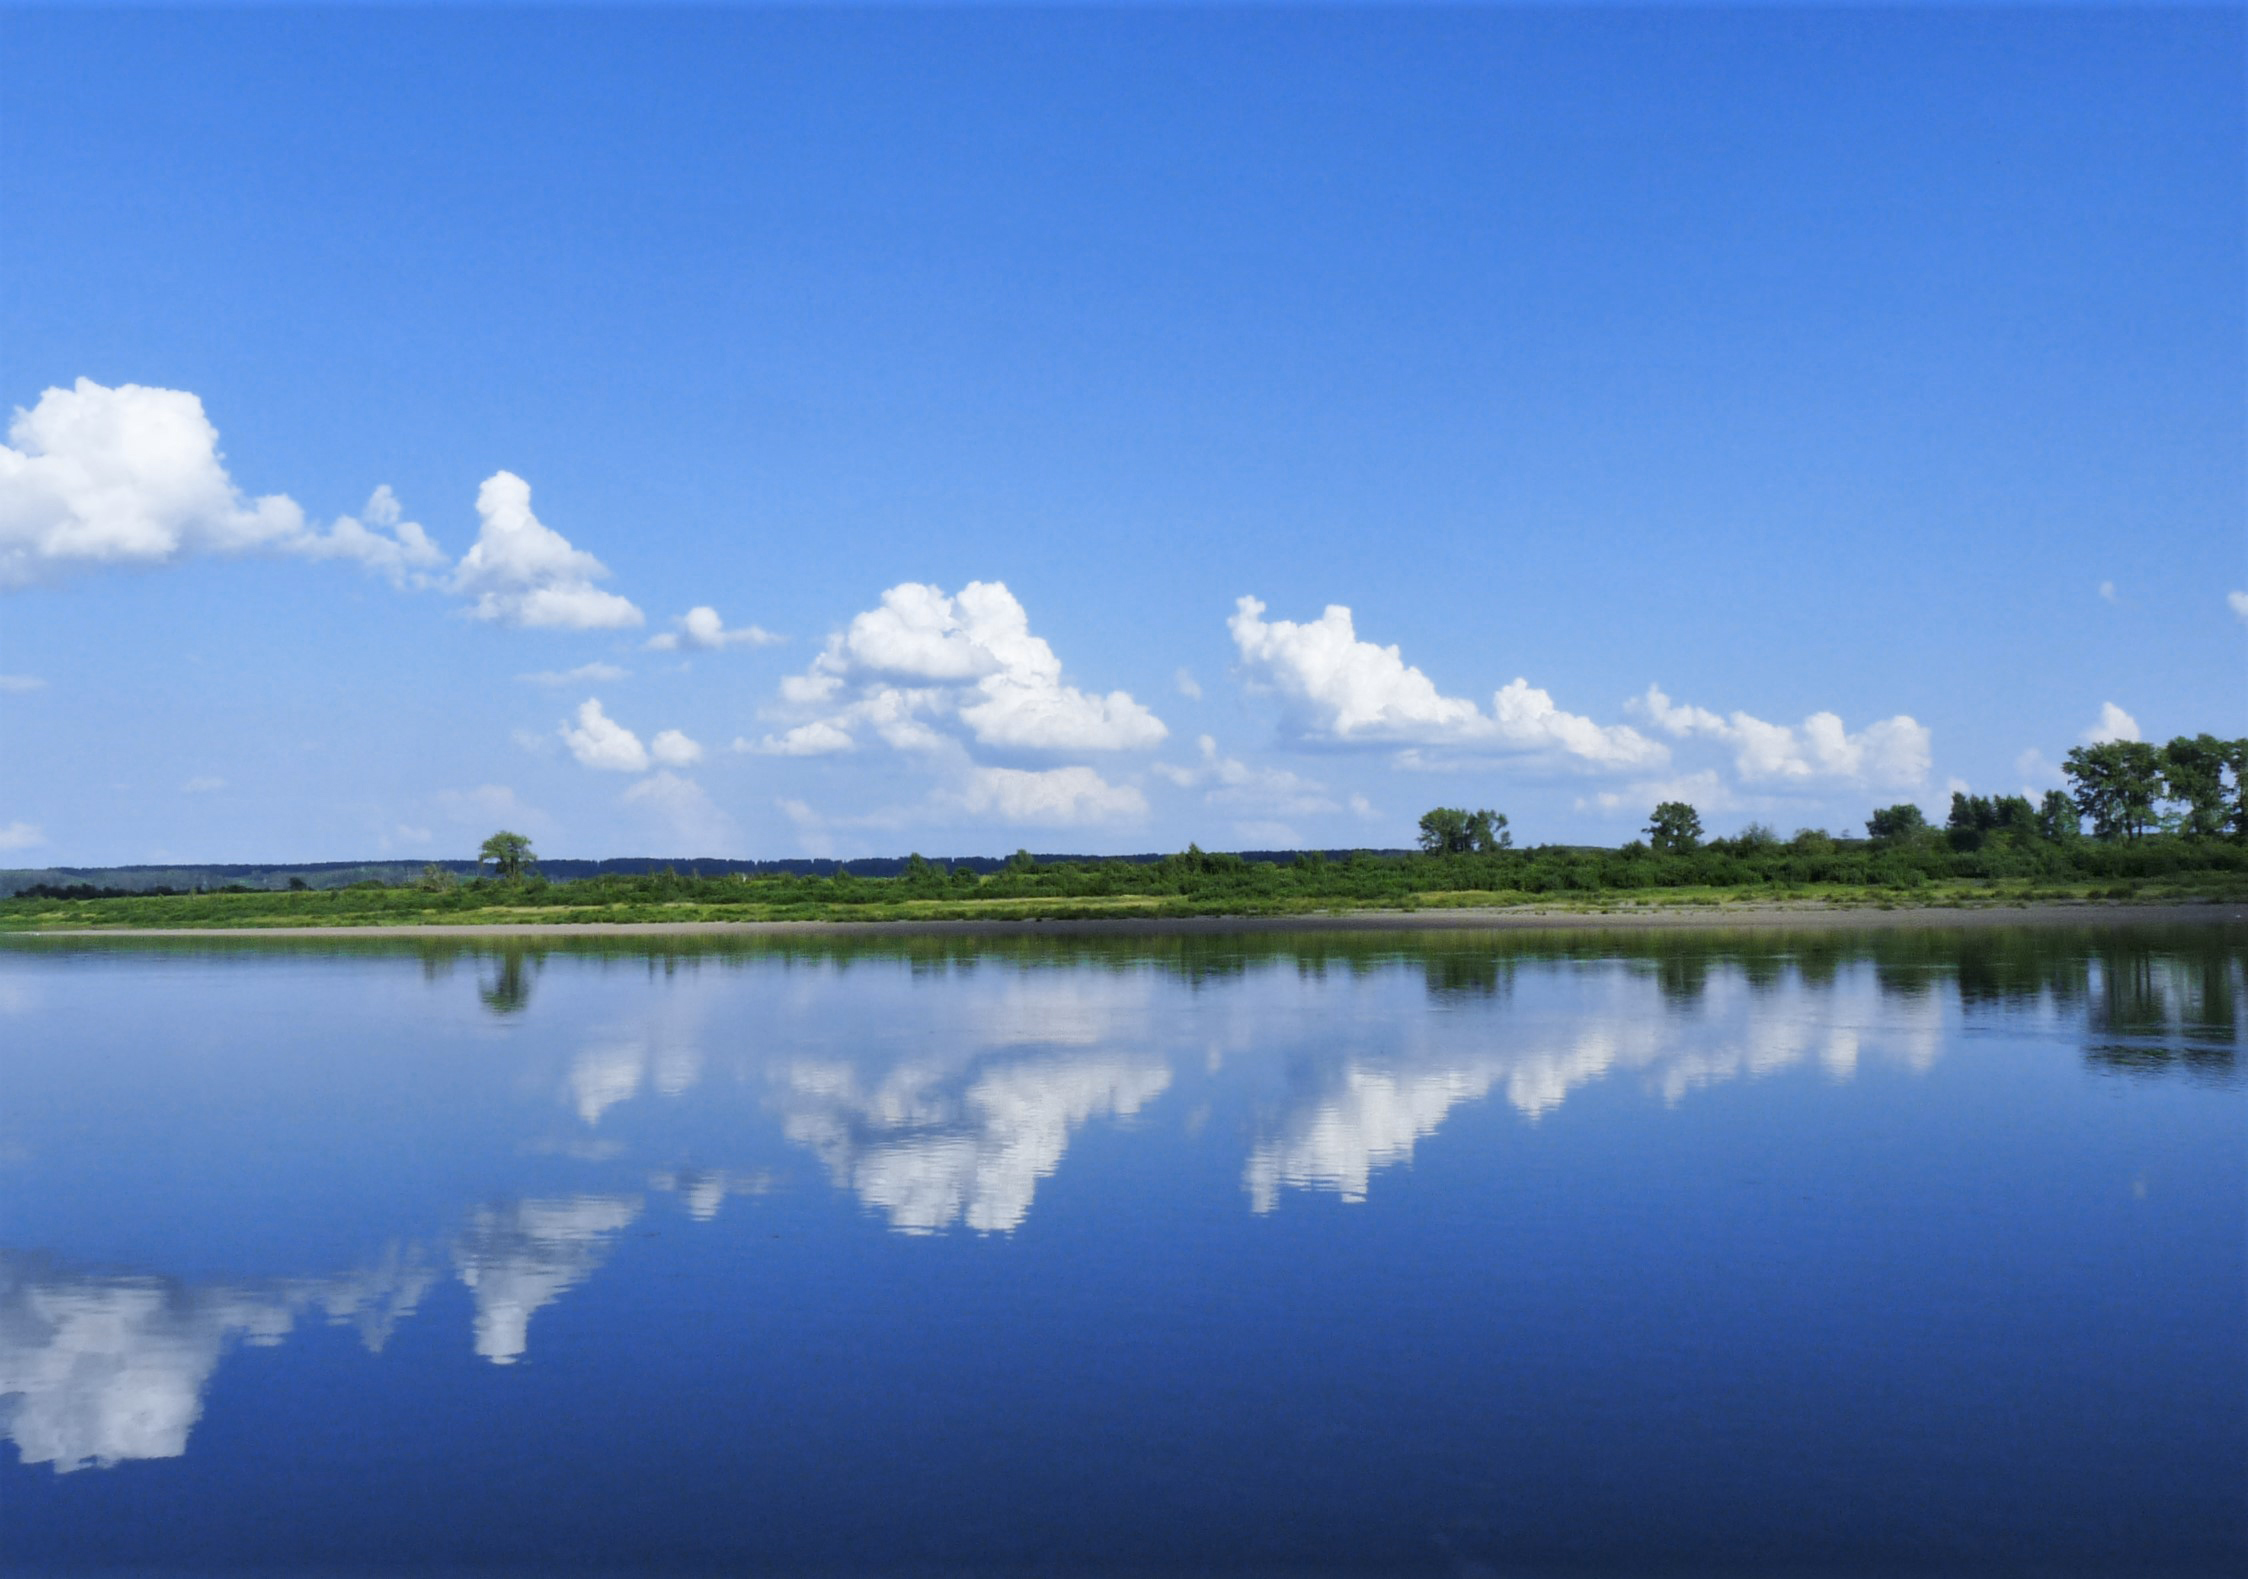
(2238, 603)
(2114, 724)
(20, 684)
(1340, 689)
(1055, 798)
(20, 836)
(598, 741)
(133, 475)
(1893, 752)
(925, 664)
(701, 628)
(673, 749)
(523, 572)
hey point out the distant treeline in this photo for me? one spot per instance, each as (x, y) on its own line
(111, 882)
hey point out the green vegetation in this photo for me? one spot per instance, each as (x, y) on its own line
(2167, 823)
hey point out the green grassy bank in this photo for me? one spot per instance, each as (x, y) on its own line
(1196, 883)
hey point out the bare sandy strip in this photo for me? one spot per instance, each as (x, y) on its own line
(1808, 916)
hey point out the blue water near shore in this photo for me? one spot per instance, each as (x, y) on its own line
(1885, 1253)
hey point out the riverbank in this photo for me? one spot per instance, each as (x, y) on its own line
(1807, 915)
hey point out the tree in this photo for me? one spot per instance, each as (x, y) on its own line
(1974, 818)
(1450, 830)
(434, 878)
(2057, 817)
(2115, 785)
(2193, 774)
(1443, 830)
(1899, 824)
(509, 853)
(1675, 827)
(1487, 832)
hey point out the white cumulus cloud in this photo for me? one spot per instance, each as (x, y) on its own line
(701, 628)
(926, 666)
(20, 836)
(1893, 752)
(133, 475)
(522, 572)
(1342, 689)
(599, 741)
(2238, 603)
(673, 749)
(2114, 724)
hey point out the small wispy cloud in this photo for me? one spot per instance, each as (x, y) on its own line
(583, 674)
(202, 784)
(702, 629)
(23, 684)
(20, 836)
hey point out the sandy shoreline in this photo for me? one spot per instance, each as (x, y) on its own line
(1803, 917)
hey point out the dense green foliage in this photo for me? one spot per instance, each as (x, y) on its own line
(2002, 862)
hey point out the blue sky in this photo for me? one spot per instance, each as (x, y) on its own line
(1873, 385)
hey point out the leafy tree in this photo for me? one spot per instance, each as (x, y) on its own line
(1487, 832)
(2115, 785)
(1449, 830)
(1675, 827)
(509, 854)
(2193, 774)
(434, 879)
(2057, 817)
(1443, 830)
(1974, 818)
(1899, 824)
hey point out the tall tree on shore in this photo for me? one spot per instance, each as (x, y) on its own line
(509, 855)
(2193, 774)
(1675, 827)
(2115, 785)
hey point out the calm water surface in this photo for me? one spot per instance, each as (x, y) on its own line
(1790, 1253)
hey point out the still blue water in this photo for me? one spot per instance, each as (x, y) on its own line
(1893, 1252)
